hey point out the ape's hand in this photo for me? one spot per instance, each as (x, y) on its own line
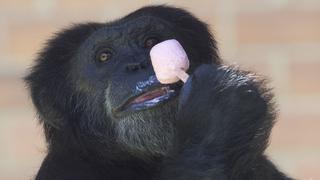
(222, 107)
(223, 123)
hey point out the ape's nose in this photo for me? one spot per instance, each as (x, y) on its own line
(134, 66)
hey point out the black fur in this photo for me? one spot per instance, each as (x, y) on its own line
(217, 128)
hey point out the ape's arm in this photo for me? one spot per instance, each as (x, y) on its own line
(225, 117)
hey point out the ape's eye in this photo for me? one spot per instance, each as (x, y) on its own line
(104, 55)
(150, 42)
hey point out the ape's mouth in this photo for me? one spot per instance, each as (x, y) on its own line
(150, 98)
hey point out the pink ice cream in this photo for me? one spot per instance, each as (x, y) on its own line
(169, 61)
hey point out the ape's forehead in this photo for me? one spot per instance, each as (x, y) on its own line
(132, 28)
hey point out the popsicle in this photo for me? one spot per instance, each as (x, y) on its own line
(170, 62)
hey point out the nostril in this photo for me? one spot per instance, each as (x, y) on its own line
(133, 66)
(136, 65)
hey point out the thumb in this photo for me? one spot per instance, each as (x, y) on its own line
(185, 92)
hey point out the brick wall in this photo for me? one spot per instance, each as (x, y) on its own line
(278, 38)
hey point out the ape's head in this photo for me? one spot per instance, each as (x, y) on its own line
(94, 86)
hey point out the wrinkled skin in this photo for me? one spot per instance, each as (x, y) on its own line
(106, 116)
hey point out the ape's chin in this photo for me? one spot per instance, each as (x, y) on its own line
(148, 133)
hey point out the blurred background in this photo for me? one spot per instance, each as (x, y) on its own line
(277, 38)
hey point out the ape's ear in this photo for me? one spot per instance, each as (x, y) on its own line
(193, 32)
(48, 78)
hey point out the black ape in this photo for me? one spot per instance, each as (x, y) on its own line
(106, 116)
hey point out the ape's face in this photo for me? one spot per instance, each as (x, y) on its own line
(116, 59)
(114, 62)
(95, 83)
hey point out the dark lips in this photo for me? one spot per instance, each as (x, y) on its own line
(152, 97)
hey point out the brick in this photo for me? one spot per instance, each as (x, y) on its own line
(101, 7)
(13, 93)
(284, 65)
(278, 27)
(294, 145)
(305, 77)
(25, 39)
(16, 5)
(22, 144)
(296, 130)
(269, 5)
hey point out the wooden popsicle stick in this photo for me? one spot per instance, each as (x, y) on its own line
(181, 74)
